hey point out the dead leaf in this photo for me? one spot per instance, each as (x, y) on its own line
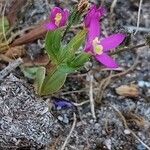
(38, 32)
(15, 52)
(136, 119)
(5, 58)
(42, 60)
(128, 90)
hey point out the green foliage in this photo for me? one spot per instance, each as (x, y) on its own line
(77, 41)
(29, 72)
(64, 60)
(40, 77)
(66, 68)
(74, 18)
(74, 45)
(80, 60)
(4, 24)
(53, 44)
(53, 82)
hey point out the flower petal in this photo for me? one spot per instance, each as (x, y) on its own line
(112, 41)
(93, 32)
(107, 60)
(89, 15)
(92, 24)
(50, 26)
(65, 15)
(94, 13)
(54, 11)
(62, 103)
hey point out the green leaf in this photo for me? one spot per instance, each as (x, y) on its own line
(80, 60)
(4, 24)
(73, 46)
(65, 68)
(73, 17)
(76, 42)
(40, 76)
(29, 72)
(53, 82)
(53, 44)
(74, 64)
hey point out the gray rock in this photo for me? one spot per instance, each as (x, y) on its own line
(24, 118)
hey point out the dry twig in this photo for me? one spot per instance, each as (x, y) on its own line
(105, 82)
(139, 13)
(82, 103)
(128, 49)
(133, 28)
(91, 96)
(69, 135)
(113, 6)
(10, 68)
(126, 126)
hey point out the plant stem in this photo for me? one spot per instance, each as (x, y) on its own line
(128, 49)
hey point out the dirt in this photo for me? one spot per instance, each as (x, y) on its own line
(122, 123)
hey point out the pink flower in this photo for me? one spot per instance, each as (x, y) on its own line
(58, 18)
(100, 48)
(92, 24)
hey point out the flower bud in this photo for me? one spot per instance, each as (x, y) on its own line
(83, 6)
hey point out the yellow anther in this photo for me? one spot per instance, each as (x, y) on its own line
(98, 49)
(58, 18)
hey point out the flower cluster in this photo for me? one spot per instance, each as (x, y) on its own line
(97, 47)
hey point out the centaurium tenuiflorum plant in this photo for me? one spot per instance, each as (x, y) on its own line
(66, 58)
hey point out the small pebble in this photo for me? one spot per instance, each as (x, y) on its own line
(144, 83)
(126, 131)
(65, 120)
(60, 118)
(97, 125)
(108, 143)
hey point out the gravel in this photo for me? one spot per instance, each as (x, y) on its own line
(26, 121)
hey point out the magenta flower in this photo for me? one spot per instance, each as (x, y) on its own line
(92, 24)
(58, 18)
(100, 48)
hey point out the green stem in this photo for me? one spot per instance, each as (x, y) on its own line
(71, 22)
